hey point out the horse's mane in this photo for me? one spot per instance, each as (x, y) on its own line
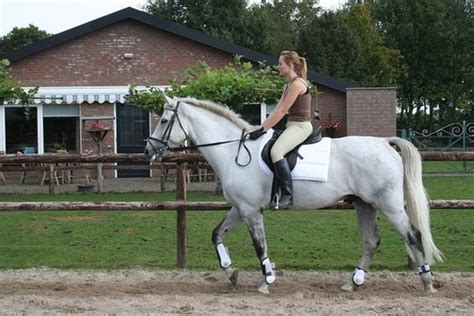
(220, 110)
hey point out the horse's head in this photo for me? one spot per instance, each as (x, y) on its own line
(169, 133)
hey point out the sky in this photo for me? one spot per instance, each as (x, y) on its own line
(55, 16)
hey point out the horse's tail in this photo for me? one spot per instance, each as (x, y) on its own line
(417, 202)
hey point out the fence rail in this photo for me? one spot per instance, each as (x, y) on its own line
(105, 158)
(174, 205)
(179, 157)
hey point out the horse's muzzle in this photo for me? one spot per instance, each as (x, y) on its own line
(156, 154)
(154, 148)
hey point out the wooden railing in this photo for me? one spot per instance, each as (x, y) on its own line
(180, 157)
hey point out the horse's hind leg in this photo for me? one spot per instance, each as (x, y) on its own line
(412, 238)
(414, 245)
(367, 219)
(231, 220)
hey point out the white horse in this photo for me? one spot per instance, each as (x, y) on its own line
(368, 170)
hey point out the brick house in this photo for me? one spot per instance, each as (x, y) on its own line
(83, 74)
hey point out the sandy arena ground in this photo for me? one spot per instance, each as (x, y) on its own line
(153, 292)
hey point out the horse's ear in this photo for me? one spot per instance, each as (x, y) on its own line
(167, 99)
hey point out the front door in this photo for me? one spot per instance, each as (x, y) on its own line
(133, 126)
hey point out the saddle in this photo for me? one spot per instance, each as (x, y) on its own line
(291, 156)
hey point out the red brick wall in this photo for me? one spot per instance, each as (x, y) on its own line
(95, 109)
(155, 119)
(97, 58)
(332, 102)
(371, 111)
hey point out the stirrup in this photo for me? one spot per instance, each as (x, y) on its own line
(276, 202)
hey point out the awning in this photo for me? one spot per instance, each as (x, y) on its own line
(81, 94)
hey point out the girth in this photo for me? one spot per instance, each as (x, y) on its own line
(291, 156)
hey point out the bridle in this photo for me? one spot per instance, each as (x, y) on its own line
(167, 134)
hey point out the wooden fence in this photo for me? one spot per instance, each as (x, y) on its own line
(180, 205)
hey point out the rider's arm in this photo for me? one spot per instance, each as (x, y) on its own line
(296, 88)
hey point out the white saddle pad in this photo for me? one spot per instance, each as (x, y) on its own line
(314, 165)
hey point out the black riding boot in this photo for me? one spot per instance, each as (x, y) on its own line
(283, 173)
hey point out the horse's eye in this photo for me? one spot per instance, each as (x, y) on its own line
(164, 121)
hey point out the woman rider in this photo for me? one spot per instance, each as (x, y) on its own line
(296, 101)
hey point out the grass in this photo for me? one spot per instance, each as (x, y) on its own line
(430, 167)
(450, 188)
(92, 197)
(319, 240)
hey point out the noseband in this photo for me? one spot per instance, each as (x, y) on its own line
(167, 133)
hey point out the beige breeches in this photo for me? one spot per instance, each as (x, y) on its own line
(294, 134)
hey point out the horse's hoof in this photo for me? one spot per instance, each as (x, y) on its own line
(348, 287)
(430, 290)
(263, 288)
(234, 277)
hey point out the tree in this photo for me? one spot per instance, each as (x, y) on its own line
(272, 28)
(235, 85)
(217, 18)
(330, 47)
(435, 38)
(21, 36)
(268, 28)
(346, 44)
(378, 64)
(11, 91)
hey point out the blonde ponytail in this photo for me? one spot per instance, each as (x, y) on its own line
(299, 63)
(303, 69)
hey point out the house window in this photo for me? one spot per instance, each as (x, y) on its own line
(21, 129)
(61, 133)
(251, 113)
(61, 127)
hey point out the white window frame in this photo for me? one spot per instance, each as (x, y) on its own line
(2, 129)
(39, 126)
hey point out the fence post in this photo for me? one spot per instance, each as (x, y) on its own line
(181, 214)
(464, 143)
(51, 178)
(404, 133)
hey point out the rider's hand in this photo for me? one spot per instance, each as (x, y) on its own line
(256, 133)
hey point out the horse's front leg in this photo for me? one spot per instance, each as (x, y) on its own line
(231, 220)
(254, 221)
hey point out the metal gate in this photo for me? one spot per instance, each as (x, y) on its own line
(452, 137)
(455, 136)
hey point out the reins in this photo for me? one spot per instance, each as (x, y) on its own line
(166, 136)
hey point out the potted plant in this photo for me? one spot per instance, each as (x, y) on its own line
(331, 126)
(59, 148)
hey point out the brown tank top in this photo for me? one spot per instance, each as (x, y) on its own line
(300, 111)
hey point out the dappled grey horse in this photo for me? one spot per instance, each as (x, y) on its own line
(366, 170)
